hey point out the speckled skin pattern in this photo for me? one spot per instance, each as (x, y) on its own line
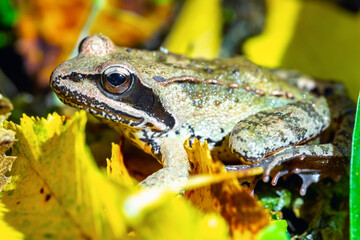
(171, 98)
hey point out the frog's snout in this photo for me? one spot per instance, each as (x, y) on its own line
(55, 78)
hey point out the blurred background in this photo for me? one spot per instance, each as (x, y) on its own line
(320, 38)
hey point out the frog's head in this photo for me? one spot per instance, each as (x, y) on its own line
(103, 82)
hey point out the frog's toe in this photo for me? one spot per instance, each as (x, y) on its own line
(308, 162)
(308, 177)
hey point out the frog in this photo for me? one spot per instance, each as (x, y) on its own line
(249, 115)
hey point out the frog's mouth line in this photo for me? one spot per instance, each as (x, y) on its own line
(124, 113)
(118, 117)
(95, 107)
(105, 112)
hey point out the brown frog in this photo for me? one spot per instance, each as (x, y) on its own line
(158, 99)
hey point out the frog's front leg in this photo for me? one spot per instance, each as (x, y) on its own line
(176, 168)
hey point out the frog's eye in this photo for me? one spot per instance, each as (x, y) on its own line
(116, 79)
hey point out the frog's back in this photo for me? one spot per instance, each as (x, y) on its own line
(210, 97)
(237, 72)
(232, 82)
(166, 90)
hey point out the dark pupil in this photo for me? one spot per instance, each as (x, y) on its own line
(116, 79)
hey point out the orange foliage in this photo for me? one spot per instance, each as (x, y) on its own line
(244, 214)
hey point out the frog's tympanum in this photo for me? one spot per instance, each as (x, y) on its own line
(249, 115)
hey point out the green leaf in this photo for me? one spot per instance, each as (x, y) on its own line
(7, 13)
(355, 179)
(278, 202)
(276, 231)
(161, 2)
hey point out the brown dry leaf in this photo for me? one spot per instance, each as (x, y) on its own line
(5, 166)
(7, 138)
(244, 214)
(5, 108)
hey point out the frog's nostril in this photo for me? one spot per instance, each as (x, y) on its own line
(54, 78)
(76, 77)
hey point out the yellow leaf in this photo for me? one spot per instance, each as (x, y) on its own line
(158, 215)
(6, 231)
(56, 189)
(116, 168)
(244, 214)
(57, 192)
(197, 31)
(316, 37)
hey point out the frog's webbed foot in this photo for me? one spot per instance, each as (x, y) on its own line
(310, 162)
